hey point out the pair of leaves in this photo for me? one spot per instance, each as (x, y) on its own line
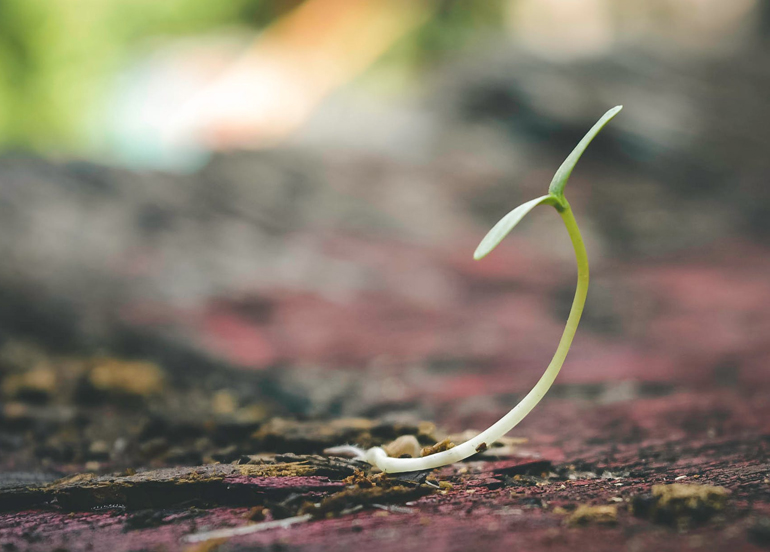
(555, 194)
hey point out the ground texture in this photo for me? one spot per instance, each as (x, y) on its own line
(589, 477)
(177, 352)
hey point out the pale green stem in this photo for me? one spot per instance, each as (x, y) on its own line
(377, 456)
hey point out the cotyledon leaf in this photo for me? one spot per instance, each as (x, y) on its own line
(562, 175)
(506, 224)
(555, 195)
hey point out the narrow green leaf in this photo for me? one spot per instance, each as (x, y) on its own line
(506, 224)
(562, 175)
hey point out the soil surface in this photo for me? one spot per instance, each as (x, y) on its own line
(680, 472)
(177, 352)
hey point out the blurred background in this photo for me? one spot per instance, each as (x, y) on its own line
(214, 213)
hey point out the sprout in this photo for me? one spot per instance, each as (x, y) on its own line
(555, 197)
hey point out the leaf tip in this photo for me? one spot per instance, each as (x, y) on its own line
(612, 112)
(565, 170)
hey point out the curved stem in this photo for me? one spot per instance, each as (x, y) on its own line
(377, 456)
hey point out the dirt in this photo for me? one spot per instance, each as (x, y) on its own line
(84, 469)
(681, 504)
(365, 491)
(214, 484)
(710, 489)
(115, 377)
(441, 446)
(586, 514)
(130, 420)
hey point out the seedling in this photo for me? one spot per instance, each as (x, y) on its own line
(376, 456)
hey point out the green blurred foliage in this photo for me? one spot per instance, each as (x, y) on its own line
(58, 56)
(55, 55)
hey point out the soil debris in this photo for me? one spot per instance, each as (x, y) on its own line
(368, 490)
(441, 446)
(131, 378)
(406, 446)
(680, 504)
(587, 514)
(35, 386)
(503, 447)
(362, 480)
(257, 513)
(211, 545)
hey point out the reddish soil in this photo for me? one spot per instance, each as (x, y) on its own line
(667, 383)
